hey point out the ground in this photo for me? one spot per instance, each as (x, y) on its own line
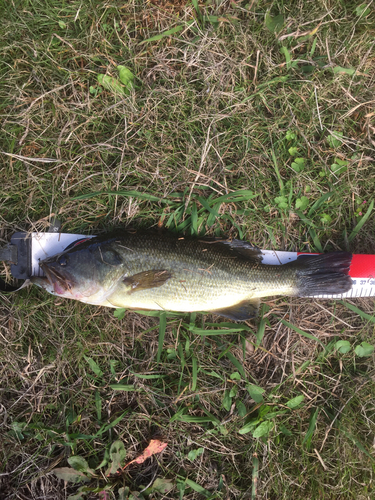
(246, 119)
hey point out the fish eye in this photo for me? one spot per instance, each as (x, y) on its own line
(63, 260)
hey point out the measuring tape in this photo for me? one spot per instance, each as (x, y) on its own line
(362, 272)
(26, 250)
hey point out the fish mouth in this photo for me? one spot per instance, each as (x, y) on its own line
(60, 284)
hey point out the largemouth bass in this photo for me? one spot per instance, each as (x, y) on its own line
(161, 271)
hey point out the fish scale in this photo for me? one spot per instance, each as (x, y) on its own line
(161, 271)
(207, 276)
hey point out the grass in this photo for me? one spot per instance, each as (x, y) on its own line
(250, 119)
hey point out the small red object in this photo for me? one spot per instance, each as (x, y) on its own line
(154, 447)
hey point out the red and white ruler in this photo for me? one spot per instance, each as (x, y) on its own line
(362, 272)
(362, 269)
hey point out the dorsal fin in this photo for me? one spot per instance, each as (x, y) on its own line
(243, 248)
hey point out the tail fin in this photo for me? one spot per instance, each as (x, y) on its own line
(323, 274)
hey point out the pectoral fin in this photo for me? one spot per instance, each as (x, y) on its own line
(147, 279)
(242, 311)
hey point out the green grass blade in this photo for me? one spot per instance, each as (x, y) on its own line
(313, 47)
(310, 431)
(197, 9)
(262, 325)
(104, 428)
(122, 387)
(362, 314)
(358, 444)
(275, 165)
(301, 332)
(162, 327)
(316, 240)
(195, 373)
(221, 328)
(148, 377)
(181, 486)
(213, 215)
(196, 487)
(194, 219)
(206, 205)
(274, 81)
(94, 366)
(180, 350)
(319, 202)
(236, 196)
(198, 420)
(134, 194)
(288, 58)
(172, 31)
(98, 405)
(358, 227)
(304, 219)
(237, 364)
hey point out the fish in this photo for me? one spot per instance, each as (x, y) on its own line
(157, 270)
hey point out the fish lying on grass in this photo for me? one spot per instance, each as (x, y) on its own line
(161, 271)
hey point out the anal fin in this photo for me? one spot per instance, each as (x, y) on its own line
(242, 311)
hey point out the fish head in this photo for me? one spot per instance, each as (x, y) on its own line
(87, 273)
